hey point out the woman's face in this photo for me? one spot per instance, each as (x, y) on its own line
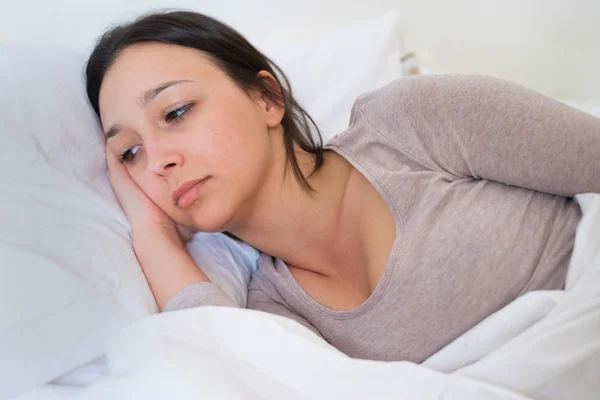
(174, 118)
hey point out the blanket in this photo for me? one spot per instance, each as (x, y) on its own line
(544, 345)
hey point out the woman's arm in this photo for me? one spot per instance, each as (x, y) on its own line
(487, 128)
(170, 269)
(159, 246)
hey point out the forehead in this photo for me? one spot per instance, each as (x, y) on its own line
(144, 66)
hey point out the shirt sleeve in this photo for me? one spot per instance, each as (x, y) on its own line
(199, 294)
(486, 128)
(209, 294)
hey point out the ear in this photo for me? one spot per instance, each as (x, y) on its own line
(270, 99)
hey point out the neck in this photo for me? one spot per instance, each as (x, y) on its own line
(299, 228)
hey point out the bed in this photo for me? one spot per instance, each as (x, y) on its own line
(79, 318)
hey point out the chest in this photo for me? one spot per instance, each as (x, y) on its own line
(361, 258)
(463, 250)
(454, 228)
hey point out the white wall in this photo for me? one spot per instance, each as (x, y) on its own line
(549, 45)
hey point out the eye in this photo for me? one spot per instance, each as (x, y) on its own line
(129, 155)
(178, 113)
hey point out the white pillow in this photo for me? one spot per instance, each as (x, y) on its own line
(69, 279)
(68, 276)
(327, 75)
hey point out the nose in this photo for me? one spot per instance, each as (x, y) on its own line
(163, 161)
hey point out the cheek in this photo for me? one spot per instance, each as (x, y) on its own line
(239, 157)
(224, 146)
(245, 165)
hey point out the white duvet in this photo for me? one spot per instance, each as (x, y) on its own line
(543, 345)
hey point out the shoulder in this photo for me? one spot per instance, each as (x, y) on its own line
(410, 121)
(431, 90)
(434, 104)
(269, 276)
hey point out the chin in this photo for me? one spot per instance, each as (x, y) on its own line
(210, 220)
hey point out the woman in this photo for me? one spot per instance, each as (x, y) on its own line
(445, 199)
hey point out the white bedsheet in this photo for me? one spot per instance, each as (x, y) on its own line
(543, 345)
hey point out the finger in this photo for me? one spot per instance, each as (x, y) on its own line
(127, 191)
(138, 207)
(118, 174)
(115, 166)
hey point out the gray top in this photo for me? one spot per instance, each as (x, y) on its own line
(479, 174)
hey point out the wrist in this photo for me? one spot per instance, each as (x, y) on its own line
(168, 267)
(149, 243)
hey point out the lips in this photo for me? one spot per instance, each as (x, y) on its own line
(187, 192)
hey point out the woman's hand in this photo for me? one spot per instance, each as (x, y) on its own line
(149, 223)
(157, 240)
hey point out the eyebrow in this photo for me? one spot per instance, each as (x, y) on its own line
(143, 101)
(113, 131)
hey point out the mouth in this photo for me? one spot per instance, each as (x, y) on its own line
(187, 192)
